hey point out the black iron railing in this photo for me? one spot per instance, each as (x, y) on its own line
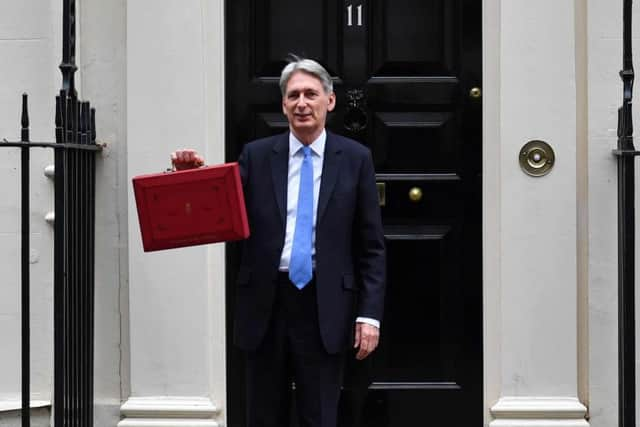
(75, 148)
(626, 153)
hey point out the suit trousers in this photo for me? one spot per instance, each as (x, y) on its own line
(292, 351)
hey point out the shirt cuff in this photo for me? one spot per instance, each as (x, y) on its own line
(369, 321)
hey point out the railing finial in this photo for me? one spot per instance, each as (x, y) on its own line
(68, 66)
(25, 118)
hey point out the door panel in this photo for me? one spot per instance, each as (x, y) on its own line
(402, 70)
(411, 38)
(418, 342)
(280, 27)
(267, 124)
(414, 142)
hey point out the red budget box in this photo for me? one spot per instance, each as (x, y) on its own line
(191, 207)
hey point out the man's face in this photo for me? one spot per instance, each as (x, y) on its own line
(305, 103)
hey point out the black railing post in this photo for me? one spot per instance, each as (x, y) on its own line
(91, 133)
(68, 65)
(82, 259)
(25, 247)
(59, 288)
(73, 262)
(626, 235)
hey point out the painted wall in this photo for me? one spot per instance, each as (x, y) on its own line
(102, 72)
(531, 229)
(551, 294)
(28, 64)
(176, 298)
(605, 96)
(30, 48)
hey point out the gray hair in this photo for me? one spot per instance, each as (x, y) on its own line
(308, 66)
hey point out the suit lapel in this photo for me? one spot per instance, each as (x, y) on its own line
(279, 172)
(330, 168)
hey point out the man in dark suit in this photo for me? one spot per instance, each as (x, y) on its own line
(312, 274)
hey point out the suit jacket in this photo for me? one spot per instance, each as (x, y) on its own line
(349, 244)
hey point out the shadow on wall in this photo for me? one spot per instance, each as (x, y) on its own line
(40, 417)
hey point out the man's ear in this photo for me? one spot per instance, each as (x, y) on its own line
(332, 101)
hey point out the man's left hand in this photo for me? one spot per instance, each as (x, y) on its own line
(366, 339)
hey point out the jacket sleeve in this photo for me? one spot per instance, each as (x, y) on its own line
(243, 162)
(371, 258)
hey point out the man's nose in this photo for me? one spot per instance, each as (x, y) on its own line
(301, 101)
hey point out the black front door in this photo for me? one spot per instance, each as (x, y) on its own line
(407, 75)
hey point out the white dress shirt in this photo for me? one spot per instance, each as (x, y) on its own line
(296, 156)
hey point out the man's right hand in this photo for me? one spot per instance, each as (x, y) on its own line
(187, 158)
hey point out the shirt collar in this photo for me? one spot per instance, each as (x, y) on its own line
(317, 146)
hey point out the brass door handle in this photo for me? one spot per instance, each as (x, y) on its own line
(475, 93)
(415, 194)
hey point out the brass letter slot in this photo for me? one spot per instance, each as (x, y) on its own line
(381, 193)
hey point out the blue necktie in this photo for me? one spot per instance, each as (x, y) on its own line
(300, 269)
